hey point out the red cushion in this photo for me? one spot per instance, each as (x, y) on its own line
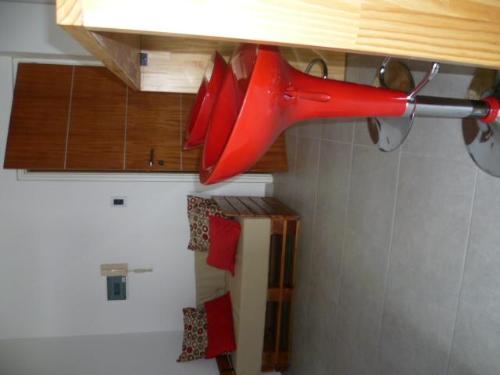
(220, 328)
(224, 235)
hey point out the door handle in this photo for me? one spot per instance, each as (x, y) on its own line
(151, 157)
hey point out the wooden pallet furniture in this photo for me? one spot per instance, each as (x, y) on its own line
(225, 365)
(283, 249)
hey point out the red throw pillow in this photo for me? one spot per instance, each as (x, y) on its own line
(224, 235)
(220, 326)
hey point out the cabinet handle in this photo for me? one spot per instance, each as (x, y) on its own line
(151, 157)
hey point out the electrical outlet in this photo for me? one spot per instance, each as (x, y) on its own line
(119, 201)
(117, 288)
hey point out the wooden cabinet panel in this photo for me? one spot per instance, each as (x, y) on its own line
(190, 158)
(275, 160)
(39, 118)
(84, 119)
(97, 121)
(153, 131)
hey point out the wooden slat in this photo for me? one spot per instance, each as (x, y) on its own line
(262, 204)
(280, 208)
(239, 206)
(456, 31)
(97, 122)
(277, 294)
(225, 365)
(255, 208)
(226, 208)
(39, 117)
(277, 225)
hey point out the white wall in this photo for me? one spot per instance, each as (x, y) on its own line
(55, 234)
(54, 317)
(31, 29)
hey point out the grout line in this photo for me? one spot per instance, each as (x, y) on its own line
(68, 123)
(336, 141)
(315, 206)
(344, 237)
(418, 154)
(310, 252)
(125, 132)
(464, 264)
(328, 140)
(389, 255)
(295, 153)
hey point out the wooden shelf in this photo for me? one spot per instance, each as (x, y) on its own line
(180, 37)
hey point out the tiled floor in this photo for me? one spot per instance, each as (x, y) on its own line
(400, 252)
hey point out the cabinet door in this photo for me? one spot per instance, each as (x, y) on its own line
(190, 158)
(39, 118)
(153, 132)
(97, 121)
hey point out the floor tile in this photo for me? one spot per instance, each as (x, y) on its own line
(477, 334)
(428, 251)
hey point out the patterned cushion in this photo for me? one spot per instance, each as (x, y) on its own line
(198, 211)
(195, 340)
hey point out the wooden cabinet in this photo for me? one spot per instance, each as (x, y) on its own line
(81, 118)
(153, 132)
(97, 121)
(40, 111)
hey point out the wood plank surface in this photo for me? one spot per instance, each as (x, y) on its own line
(153, 131)
(252, 206)
(455, 31)
(97, 121)
(190, 159)
(226, 208)
(263, 205)
(258, 207)
(177, 64)
(119, 52)
(277, 294)
(239, 206)
(39, 117)
(280, 208)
